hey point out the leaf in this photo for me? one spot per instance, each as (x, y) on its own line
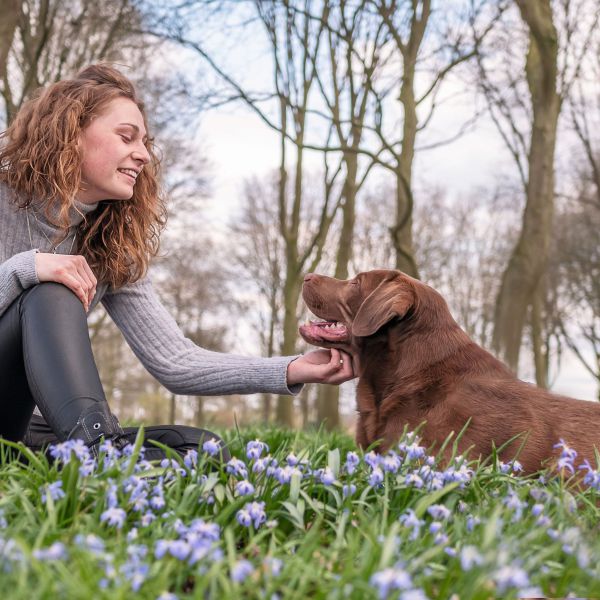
(333, 461)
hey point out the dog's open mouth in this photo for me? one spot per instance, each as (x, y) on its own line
(317, 332)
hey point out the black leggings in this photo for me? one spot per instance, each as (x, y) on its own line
(46, 361)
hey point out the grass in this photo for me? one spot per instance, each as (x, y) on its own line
(130, 530)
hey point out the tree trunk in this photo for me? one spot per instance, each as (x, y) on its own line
(172, 409)
(402, 230)
(199, 417)
(540, 353)
(528, 261)
(10, 11)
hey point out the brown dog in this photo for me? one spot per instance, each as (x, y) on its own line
(416, 365)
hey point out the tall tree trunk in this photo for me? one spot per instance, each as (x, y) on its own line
(402, 230)
(172, 409)
(293, 284)
(529, 258)
(540, 353)
(328, 398)
(199, 417)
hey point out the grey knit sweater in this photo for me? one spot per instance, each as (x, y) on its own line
(154, 336)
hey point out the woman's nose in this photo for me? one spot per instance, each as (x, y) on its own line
(141, 153)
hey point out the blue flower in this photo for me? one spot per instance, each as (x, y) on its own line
(390, 579)
(326, 476)
(376, 477)
(348, 490)
(53, 490)
(56, 551)
(253, 513)
(114, 517)
(241, 570)
(255, 448)
(237, 467)
(190, 460)
(273, 565)
(244, 488)
(211, 447)
(62, 452)
(414, 480)
(470, 557)
(352, 461)
(439, 511)
(511, 576)
(391, 462)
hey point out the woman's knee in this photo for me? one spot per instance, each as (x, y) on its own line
(49, 292)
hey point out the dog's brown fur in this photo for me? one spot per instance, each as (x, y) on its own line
(416, 365)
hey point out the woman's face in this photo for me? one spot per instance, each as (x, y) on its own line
(113, 152)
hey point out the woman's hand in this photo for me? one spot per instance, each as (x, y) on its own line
(321, 366)
(70, 270)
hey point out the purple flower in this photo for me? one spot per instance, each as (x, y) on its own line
(62, 452)
(376, 477)
(273, 565)
(252, 514)
(90, 542)
(53, 490)
(326, 476)
(284, 474)
(114, 517)
(439, 511)
(352, 461)
(390, 579)
(435, 526)
(190, 460)
(241, 570)
(348, 490)
(391, 462)
(255, 448)
(237, 467)
(56, 551)
(179, 549)
(537, 509)
(372, 459)
(470, 557)
(414, 480)
(567, 456)
(292, 459)
(244, 488)
(510, 577)
(410, 520)
(211, 447)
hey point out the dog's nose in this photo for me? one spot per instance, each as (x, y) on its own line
(308, 277)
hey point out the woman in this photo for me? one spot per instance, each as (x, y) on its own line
(80, 218)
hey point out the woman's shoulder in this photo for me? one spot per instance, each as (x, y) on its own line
(8, 196)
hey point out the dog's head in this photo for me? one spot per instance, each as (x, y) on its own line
(362, 306)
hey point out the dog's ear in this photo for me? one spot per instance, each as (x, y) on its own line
(389, 300)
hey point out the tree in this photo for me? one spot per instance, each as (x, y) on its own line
(38, 53)
(526, 111)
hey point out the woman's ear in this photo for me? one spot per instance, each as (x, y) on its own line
(390, 300)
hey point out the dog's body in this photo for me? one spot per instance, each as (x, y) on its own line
(416, 365)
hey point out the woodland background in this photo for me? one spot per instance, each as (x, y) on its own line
(356, 94)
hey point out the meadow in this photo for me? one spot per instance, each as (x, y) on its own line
(293, 515)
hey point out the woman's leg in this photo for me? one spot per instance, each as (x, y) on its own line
(46, 359)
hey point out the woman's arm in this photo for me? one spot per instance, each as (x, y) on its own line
(179, 364)
(16, 275)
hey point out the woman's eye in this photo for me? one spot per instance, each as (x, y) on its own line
(126, 139)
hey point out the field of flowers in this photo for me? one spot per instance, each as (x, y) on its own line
(292, 515)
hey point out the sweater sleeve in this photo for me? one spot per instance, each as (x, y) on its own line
(179, 364)
(16, 275)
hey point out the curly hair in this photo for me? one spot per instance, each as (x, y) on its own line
(41, 160)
